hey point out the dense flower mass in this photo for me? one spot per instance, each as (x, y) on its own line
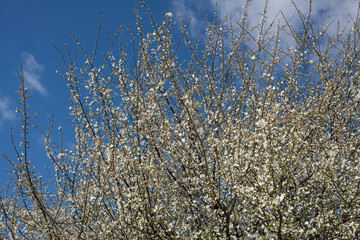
(235, 136)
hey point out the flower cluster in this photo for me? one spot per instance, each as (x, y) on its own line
(213, 140)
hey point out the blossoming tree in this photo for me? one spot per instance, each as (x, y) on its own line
(244, 137)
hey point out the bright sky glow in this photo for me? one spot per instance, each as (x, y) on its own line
(28, 27)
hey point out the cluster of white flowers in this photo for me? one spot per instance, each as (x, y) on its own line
(168, 15)
(229, 143)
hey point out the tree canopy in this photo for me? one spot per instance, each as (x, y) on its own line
(233, 135)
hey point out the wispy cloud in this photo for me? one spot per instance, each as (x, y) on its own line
(32, 73)
(6, 113)
(323, 11)
(187, 9)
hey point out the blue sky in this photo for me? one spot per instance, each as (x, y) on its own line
(28, 27)
(26, 31)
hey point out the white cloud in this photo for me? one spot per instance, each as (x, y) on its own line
(6, 113)
(323, 11)
(32, 73)
(256, 8)
(184, 10)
